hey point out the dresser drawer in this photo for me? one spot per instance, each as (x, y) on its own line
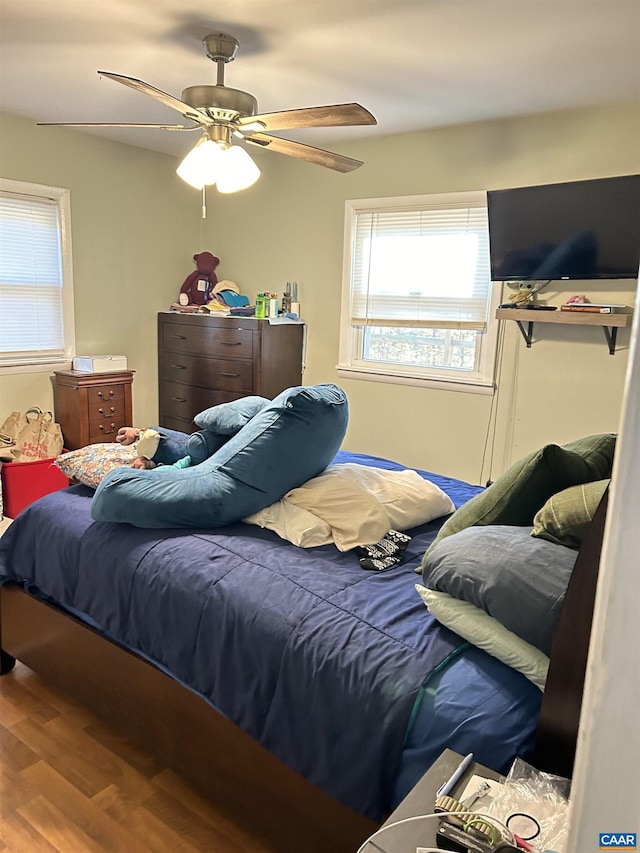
(105, 403)
(199, 340)
(179, 424)
(228, 374)
(99, 395)
(106, 429)
(181, 401)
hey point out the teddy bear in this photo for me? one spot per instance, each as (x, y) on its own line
(198, 286)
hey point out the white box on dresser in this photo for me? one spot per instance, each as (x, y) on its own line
(99, 363)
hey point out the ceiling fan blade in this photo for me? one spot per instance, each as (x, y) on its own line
(334, 115)
(305, 152)
(164, 98)
(117, 124)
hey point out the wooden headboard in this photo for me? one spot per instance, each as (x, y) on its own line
(562, 701)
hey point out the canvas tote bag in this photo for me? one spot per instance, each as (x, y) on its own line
(28, 436)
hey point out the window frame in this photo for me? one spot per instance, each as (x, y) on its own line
(61, 196)
(350, 366)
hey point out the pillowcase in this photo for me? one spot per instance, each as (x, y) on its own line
(597, 451)
(90, 464)
(565, 517)
(486, 633)
(519, 580)
(517, 495)
(293, 523)
(354, 505)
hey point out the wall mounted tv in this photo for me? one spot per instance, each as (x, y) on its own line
(577, 230)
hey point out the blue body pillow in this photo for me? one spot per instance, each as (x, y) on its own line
(289, 441)
(217, 424)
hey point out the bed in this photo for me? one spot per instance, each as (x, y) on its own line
(304, 693)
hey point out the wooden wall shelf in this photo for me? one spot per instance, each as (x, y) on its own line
(610, 323)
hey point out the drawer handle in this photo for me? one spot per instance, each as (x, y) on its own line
(179, 399)
(230, 375)
(179, 366)
(230, 343)
(107, 431)
(112, 410)
(111, 394)
(180, 337)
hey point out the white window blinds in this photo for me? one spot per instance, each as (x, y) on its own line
(31, 279)
(425, 266)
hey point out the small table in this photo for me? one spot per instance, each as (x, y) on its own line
(91, 407)
(420, 800)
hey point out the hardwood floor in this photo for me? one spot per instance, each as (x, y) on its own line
(69, 784)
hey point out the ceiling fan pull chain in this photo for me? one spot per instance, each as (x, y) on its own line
(204, 202)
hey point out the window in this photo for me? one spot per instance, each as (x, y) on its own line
(418, 301)
(36, 294)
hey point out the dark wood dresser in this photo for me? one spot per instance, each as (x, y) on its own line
(204, 361)
(91, 407)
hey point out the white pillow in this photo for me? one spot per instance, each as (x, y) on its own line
(487, 633)
(293, 523)
(354, 505)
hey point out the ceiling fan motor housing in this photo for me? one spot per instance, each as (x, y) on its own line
(220, 102)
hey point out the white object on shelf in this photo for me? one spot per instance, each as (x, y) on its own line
(99, 363)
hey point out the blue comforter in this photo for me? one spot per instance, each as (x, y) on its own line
(339, 672)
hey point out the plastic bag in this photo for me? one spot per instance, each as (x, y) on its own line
(533, 805)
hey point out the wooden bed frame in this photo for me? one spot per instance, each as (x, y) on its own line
(185, 733)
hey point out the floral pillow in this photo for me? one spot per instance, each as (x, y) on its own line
(90, 464)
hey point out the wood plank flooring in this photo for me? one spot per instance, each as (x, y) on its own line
(70, 784)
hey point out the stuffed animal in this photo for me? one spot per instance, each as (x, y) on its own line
(198, 286)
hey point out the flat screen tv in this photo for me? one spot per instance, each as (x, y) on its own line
(577, 230)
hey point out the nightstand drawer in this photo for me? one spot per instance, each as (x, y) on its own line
(106, 429)
(105, 403)
(182, 400)
(102, 395)
(228, 374)
(225, 343)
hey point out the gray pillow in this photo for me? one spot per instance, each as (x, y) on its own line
(512, 576)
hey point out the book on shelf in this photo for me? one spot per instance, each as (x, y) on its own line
(594, 308)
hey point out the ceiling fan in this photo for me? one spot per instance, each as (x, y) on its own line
(222, 113)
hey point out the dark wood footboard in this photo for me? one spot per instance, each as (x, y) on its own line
(179, 728)
(562, 702)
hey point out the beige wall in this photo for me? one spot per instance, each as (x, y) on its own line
(290, 226)
(136, 226)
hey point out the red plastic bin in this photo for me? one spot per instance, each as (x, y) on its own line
(25, 482)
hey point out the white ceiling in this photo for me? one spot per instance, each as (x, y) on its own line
(415, 64)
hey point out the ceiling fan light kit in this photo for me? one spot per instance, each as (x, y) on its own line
(220, 112)
(214, 160)
(201, 165)
(238, 170)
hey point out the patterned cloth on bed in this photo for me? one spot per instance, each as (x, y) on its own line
(341, 673)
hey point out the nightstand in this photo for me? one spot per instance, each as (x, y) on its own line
(91, 407)
(420, 800)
